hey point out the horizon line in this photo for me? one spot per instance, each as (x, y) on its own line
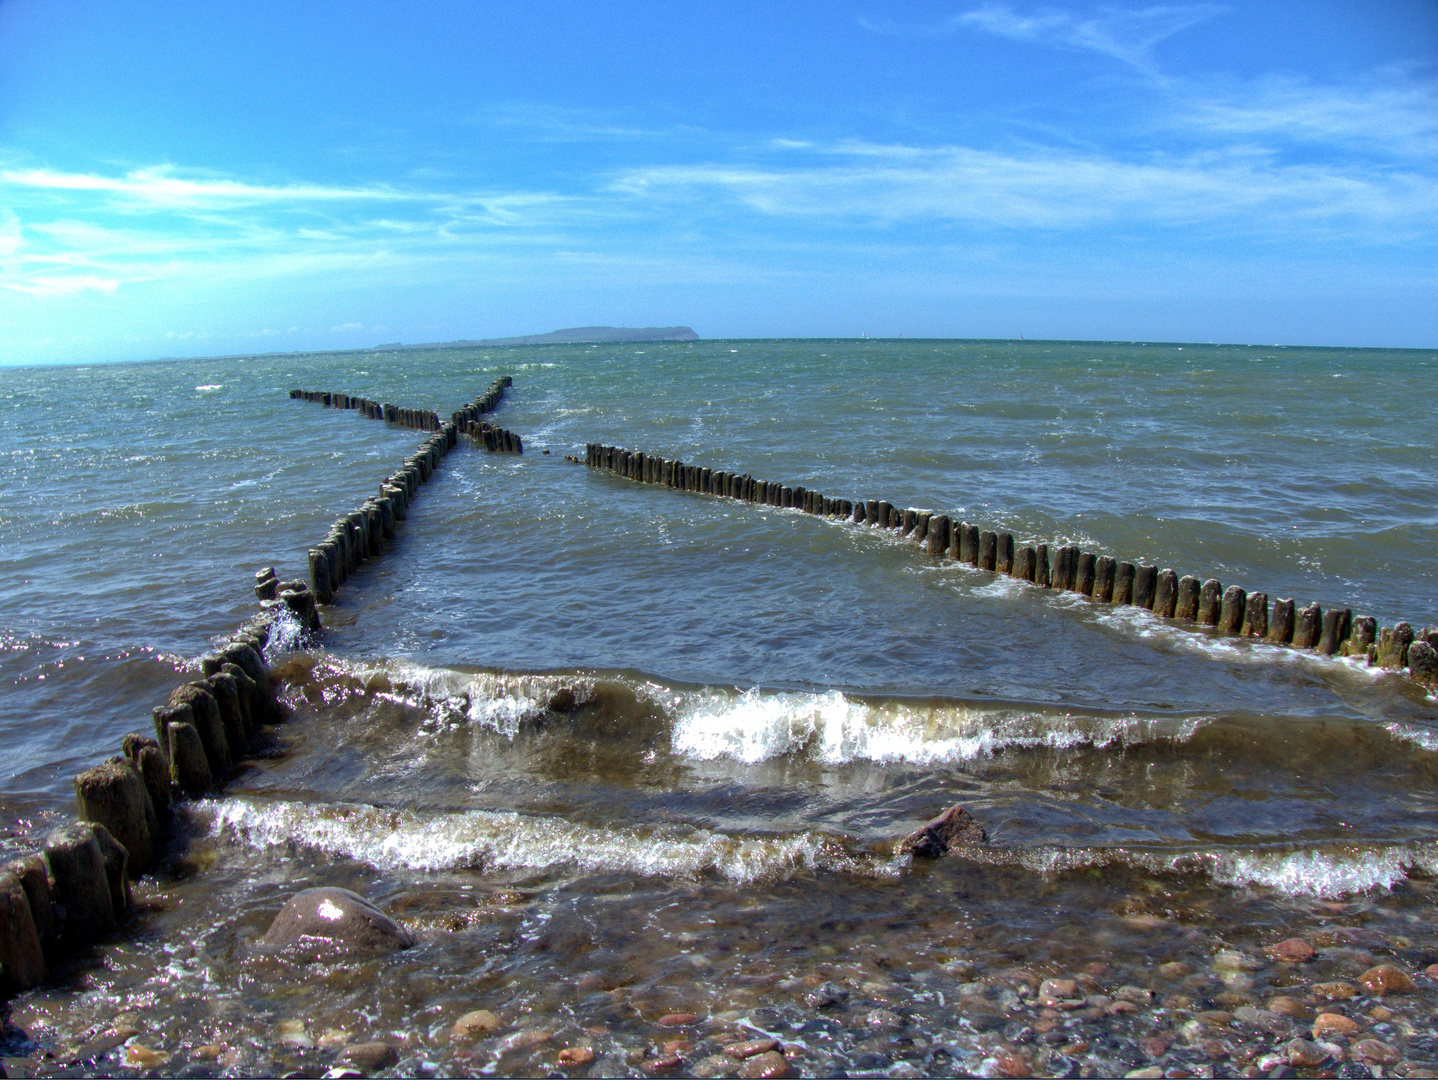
(398, 346)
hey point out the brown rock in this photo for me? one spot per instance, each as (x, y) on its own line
(954, 829)
(768, 1064)
(1287, 1006)
(1294, 950)
(1303, 1054)
(678, 1020)
(370, 1056)
(139, 1056)
(574, 1057)
(524, 1039)
(742, 1050)
(1374, 1052)
(1154, 1046)
(1386, 979)
(1058, 988)
(1333, 1024)
(474, 1025)
(1011, 1063)
(1333, 991)
(334, 922)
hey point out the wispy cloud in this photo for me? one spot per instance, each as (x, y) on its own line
(1128, 35)
(1058, 191)
(1280, 160)
(161, 186)
(1395, 116)
(69, 232)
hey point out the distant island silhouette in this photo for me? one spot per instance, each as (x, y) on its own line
(575, 335)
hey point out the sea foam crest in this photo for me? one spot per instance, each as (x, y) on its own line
(489, 840)
(1326, 873)
(835, 729)
(455, 698)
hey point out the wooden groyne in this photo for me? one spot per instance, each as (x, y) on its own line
(1103, 579)
(487, 402)
(75, 889)
(494, 438)
(362, 534)
(419, 419)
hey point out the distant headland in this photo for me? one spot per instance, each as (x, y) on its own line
(575, 335)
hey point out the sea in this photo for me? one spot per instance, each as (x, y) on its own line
(701, 850)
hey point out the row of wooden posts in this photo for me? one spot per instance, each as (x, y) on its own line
(1102, 578)
(487, 402)
(419, 419)
(361, 534)
(494, 438)
(76, 888)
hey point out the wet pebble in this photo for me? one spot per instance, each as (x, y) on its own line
(1284, 1005)
(1294, 950)
(1333, 1024)
(1010, 1063)
(714, 1065)
(525, 1039)
(884, 1020)
(742, 1050)
(293, 1034)
(826, 995)
(771, 1063)
(1262, 1018)
(1386, 979)
(1333, 991)
(678, 1020)
(1305, 1054)
(370, 1056)
(474, 1025)
(576, 1056)
(139, 1056)
(1375, 1052)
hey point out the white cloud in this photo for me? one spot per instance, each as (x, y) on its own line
(1057, 190)
(346, 328)
(1391, 116)
(161, 186)
(1126, 35)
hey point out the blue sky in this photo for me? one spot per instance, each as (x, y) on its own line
(199, 179)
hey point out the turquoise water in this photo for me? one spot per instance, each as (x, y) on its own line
(766, 698)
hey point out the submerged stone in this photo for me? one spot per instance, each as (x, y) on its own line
(954, 828)
(336, 922)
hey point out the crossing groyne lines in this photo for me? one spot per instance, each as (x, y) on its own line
(76, 888)
(1200, 602)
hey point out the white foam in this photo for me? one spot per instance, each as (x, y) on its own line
(835, 729)
(489, 840)
(1327, 873)
(453, 699)
(286, 632)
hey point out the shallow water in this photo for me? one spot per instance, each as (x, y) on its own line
(764, 701)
